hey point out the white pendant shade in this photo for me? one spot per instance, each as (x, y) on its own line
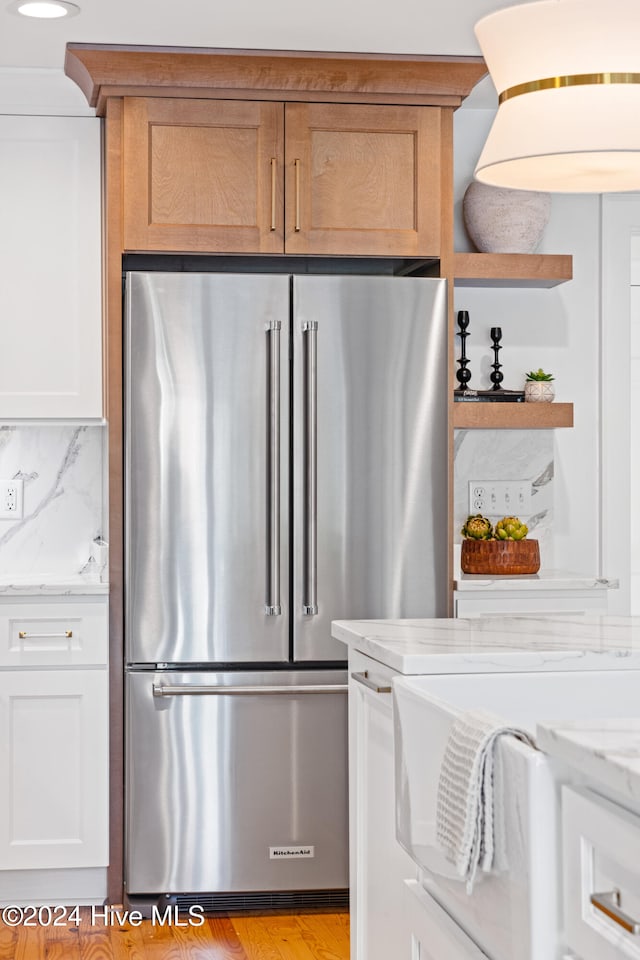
(567, 74)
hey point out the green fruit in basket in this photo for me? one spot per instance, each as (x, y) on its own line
(511, 528)
(477, 528)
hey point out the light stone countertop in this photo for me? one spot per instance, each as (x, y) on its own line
(606, 751)
(496, 644)
(51, 585)
(544, 580)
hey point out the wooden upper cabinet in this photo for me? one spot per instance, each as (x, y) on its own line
(276, 151)
(362, 179)
(203, 176)
(240, 176)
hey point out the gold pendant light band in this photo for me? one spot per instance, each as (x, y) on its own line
(572, 80)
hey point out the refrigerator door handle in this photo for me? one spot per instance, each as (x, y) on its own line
(186, 689)
(272, 605)
(310, 445)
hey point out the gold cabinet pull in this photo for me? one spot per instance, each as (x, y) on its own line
(367, 681)
(609, 904)
(273, 193)
(296, 164)
(42, 636)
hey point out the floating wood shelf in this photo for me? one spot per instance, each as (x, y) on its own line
(469, 415)
(511, 269)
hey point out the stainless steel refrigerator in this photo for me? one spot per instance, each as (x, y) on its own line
(286, 465)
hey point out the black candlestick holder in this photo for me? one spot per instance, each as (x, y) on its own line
(497, 392)
(496, 377)
(463, 374)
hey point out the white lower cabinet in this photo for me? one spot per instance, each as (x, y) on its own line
(601, 867)
(54, 752)
(433, 934)
(378, 864)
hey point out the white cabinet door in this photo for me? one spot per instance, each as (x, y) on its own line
(378, 864)
(434, 934)
(53, 757)
(50, 267)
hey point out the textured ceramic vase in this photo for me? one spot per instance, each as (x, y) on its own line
(538, 391)
(505, 221)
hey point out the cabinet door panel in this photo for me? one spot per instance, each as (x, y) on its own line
(203, 175)
(434, 934)
(53, 753)
(362, 179)
(50, 261)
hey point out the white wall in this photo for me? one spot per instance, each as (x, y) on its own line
(557, 329)
(41, 92)
(634, 444)
(620, 424)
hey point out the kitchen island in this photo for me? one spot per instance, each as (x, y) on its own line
(528, 660)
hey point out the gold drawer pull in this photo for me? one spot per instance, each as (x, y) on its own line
(366, 681)
(296, 164)
(42, 636)
(273, 193)
(609, 904)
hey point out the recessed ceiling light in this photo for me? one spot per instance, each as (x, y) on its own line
(44, 9)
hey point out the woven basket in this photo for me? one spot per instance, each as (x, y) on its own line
(500, 557)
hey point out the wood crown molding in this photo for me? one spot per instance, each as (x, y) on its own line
(106, 70)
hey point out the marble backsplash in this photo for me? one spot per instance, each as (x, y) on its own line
(508, 455)
(62, 470)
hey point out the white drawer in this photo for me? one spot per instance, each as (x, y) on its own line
(529, 604)
(601, 854)
(434, 934)
(48, 632)
(367, 675)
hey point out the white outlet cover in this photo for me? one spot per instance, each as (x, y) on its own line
(12, 499)
(501, 498)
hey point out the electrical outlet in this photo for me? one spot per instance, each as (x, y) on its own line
(11, 499)
(500, 498)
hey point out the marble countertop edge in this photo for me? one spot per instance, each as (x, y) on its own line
(544, 580)
(499, 645)
(607, 751)
(71, 585)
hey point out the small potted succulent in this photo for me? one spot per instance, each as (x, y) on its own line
(538, 387)
(500, 550)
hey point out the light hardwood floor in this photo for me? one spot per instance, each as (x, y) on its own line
(313, 936)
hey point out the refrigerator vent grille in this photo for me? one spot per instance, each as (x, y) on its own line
(226, 902)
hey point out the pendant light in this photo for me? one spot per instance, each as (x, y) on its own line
(567, 74)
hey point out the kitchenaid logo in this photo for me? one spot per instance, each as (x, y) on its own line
(291, 853)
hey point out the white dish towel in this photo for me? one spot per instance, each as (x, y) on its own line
(465, 804)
